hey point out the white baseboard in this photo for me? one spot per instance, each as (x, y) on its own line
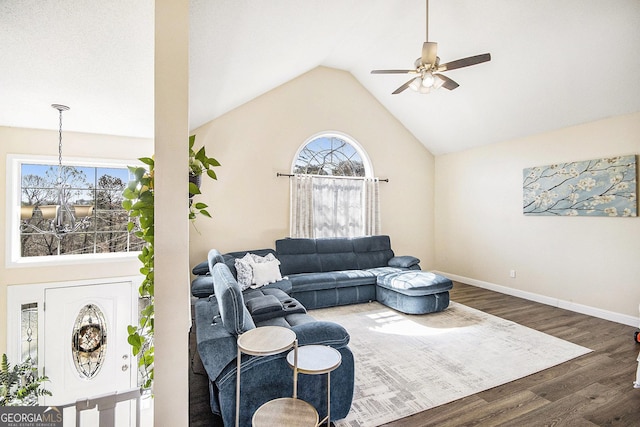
(554, 302)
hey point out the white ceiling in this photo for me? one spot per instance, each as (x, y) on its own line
(555, 63)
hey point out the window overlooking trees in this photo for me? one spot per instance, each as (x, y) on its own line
(330, 155)
(100, 187)
(333, 191)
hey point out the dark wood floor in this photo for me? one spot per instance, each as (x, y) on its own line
(592, 390)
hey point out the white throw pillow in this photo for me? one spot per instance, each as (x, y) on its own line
(257, 259)
(266, 272)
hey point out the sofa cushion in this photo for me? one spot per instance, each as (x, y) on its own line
(415, 282)
(263, 304)
(297, 256)
(217, 347)
(330, 280)
(372, 251)
(336, 254)
(333, 254)
(379, 271)
(235, 316)
(268, 303)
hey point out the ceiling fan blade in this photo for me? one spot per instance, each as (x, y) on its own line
(393, 71)
(429, 52)
(448, 83)
(404, 86)
(465, 62)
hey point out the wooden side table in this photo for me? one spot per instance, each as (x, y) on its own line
(317, 360)
(265, 341)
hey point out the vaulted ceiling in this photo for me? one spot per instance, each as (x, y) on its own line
(554, 63)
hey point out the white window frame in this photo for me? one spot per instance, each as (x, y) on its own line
(368, 168)
(13, 192)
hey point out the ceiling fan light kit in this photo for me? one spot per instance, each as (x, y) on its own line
(428, 68)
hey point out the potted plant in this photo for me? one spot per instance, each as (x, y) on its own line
(139, 202)
(20, 385)
(199, 163)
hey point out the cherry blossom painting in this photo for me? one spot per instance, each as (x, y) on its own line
(599, 187)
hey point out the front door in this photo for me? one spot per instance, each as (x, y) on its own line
(86, 353)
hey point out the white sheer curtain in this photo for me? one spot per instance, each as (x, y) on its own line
(301, 206)
(334, 207)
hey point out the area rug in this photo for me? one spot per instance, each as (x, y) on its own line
(406, 364)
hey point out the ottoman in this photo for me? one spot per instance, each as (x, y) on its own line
(414, 291)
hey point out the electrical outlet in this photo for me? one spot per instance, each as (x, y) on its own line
(512, 274)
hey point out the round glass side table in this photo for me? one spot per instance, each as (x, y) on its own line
(317, 360)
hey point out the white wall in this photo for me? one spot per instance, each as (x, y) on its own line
(250, 205)
(481, 233)
(171, 240)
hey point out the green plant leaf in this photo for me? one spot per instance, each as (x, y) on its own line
(193, 189)
(147, 161)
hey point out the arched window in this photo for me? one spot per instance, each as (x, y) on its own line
(332, 154)
(333, 191)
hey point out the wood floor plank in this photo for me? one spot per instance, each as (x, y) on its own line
(591, 390)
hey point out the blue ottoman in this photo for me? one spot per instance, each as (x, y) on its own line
(414, 291)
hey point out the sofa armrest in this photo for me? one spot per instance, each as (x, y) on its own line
(201, 269)
(322, 333)
(405, 261)
(202, 286)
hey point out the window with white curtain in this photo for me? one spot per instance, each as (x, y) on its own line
(333, 191)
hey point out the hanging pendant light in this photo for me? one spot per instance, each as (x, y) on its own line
(61, 218)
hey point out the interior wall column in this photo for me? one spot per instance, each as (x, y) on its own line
(172, 313)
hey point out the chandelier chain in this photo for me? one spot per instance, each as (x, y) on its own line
(60, 149)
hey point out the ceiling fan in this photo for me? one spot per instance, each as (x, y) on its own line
(428, 68)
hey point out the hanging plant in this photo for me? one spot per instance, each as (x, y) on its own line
(199, 164)
(139, 202)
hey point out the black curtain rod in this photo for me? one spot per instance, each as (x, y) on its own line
(289, 175)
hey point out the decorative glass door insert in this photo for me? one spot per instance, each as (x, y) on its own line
(89, 341)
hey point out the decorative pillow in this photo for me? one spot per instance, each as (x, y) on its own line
(244, 268)
(257, 259)
(265, 273)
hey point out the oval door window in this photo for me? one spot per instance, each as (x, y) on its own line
(89, 341)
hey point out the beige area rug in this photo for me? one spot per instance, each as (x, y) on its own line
(410, 363)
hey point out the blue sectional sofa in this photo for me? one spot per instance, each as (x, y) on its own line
(316, 273)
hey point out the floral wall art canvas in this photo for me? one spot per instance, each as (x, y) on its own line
(599, 187)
